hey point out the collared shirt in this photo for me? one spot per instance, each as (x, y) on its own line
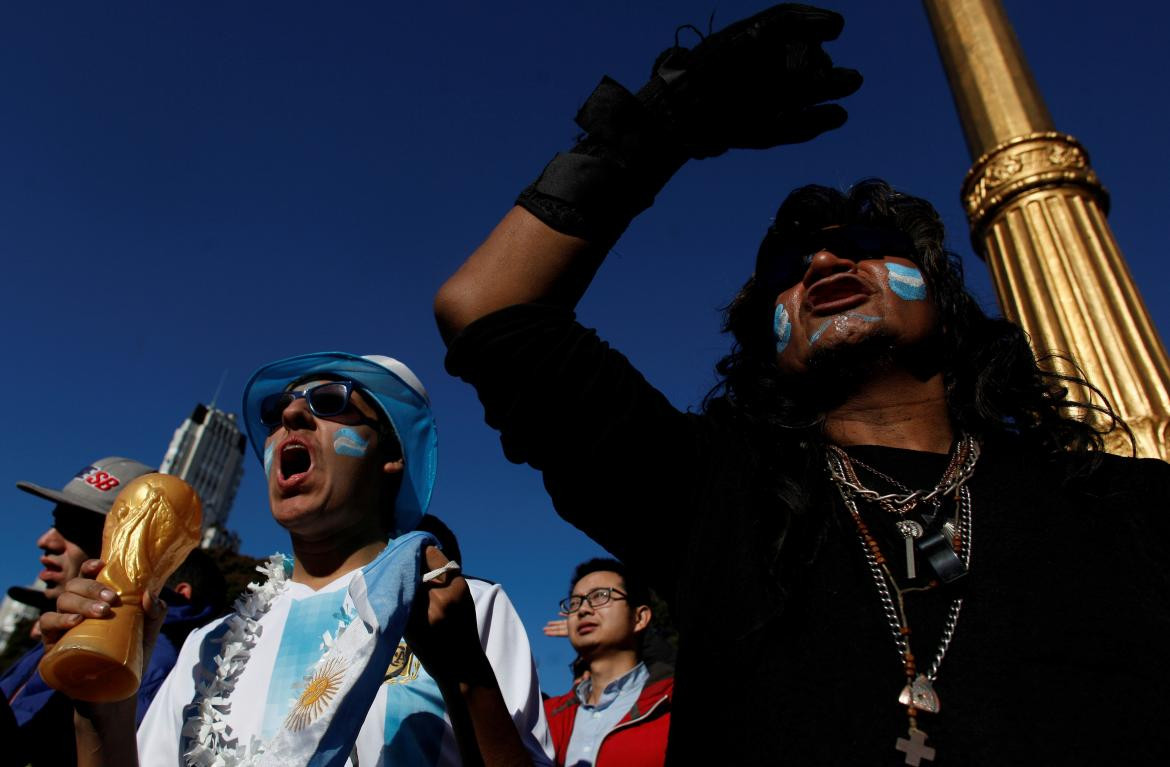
(594, 721)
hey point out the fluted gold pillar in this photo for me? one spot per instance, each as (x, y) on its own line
(1037, 213)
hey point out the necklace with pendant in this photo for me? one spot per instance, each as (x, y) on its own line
(918, 694)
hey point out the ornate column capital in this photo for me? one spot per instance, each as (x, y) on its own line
(1022, 164)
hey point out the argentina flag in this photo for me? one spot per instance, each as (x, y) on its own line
(324, 721)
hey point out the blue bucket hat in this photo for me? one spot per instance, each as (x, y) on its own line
(393, 387)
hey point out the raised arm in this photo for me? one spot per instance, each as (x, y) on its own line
(444, 634)
(522, 261)
(756, 84)
(104, 731)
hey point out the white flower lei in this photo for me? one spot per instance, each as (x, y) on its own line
(206, 727)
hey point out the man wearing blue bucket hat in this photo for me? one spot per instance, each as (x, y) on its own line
(311, 667)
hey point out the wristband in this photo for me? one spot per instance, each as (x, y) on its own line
(611, 175)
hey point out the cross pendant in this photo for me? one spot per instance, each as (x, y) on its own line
(915, 748)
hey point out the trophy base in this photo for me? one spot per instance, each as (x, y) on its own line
(99, 660)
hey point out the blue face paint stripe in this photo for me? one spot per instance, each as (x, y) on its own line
(349, 442)
(781, 328)
(268, 451)
(838, 321)
(906, 282)
(817, 333)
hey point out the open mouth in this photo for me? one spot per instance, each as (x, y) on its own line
(835, 294)
(294, 459)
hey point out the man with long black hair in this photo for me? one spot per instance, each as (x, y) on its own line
(890, 536)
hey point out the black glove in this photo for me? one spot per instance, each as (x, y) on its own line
(758, 83)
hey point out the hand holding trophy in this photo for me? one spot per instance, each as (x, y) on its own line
(154, 523)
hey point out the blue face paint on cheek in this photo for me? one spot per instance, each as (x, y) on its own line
(781, 328)
(349, 442)
(268, 450)
(906, 282)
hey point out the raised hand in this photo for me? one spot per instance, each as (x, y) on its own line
(442, 630)
(86, 599)
(758, 83)
(104, 731)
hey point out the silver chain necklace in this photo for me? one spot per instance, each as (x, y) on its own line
(968, 449)
(918, 694)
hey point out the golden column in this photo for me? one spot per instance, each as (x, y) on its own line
(1037, 214)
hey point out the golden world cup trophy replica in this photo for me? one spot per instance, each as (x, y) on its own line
(155, 522)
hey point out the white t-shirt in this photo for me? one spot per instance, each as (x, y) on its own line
(407, 724)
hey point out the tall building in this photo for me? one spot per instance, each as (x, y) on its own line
(208, 452)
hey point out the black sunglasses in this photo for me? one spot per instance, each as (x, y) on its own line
(325, 400)
(783, 261)
(81, 527)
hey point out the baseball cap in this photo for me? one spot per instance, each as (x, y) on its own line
(95, 486)
(395, 389)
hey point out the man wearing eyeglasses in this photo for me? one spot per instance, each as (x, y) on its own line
(813, 519)
(45, 716)
(310, 668)
(619, 715)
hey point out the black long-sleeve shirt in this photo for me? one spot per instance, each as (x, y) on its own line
(1059, 657)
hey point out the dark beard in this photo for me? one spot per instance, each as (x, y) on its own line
(837, 372)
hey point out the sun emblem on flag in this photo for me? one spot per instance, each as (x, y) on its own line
(317, 695)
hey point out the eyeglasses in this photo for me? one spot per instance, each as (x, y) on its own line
(325, 400)
(596, 598)
(782, 264)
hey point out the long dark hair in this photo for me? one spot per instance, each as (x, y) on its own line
(996, 389)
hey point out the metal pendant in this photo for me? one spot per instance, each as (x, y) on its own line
(915, 747)
(921, 695)
(936, 547)
(910, 531)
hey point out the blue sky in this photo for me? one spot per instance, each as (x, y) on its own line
(193, 188)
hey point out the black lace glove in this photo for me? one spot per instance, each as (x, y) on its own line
(756, 84)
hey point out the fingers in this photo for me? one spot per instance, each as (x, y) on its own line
(88, 598)
(154, 606)
(54, 624)
(91, 567)
(83, 598)
(434, 558)
(439, 570)
(788, 21)
(155, 610)
(808, 75)
(556, 628)
(810, 123)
